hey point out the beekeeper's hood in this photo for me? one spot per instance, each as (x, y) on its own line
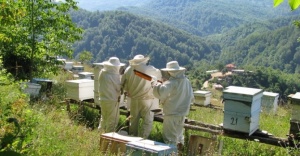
(174, 69)
(112, 65)
(139, 60)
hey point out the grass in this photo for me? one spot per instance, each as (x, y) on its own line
(63, 133)
(57, 134)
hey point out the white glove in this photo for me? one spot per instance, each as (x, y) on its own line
(153, 81)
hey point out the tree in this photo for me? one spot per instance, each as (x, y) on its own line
(294, 4)
(85, 56)
(34, 33)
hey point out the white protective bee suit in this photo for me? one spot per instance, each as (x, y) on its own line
(109, 92)
(140, 93)
(176, 95)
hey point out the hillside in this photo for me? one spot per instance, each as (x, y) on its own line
(272, 44)
(121, 34)
(204, 18)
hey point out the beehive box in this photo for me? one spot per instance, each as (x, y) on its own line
(242, 108)
(269, 102)
(241, 122)
(81, 89)
(202, 97)
(33, 89)
(85, 75)
(46, 84)
(114, 143)
(294, 128)
(77, 69)
(68, 65)
(149, 147)
(242, 99)
(295, 103)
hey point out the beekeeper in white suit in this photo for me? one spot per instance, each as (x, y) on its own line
(109, 92)
(176, 95)
(140, 92)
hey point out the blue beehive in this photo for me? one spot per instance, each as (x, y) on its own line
(149, 147)
(242, 108)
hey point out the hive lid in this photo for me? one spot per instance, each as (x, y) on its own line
(121, 137)
(80, 81)
(151, 145)
(296, 96)
(85, 73)
(202, 92)
(242, 90)
(270, 94)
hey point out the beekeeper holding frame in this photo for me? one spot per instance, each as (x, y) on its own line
(140, 93)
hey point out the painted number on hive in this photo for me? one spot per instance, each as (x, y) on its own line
(234, 121)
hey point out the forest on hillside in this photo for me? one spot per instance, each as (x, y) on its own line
(124, 35)
(117, 33)
(204, 18)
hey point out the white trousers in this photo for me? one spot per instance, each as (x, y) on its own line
(110, 114)
(173, 127)
(140, 109)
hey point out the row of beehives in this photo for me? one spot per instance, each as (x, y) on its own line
(85, 88)
(70, 66)
(242, 107)
(269, 101)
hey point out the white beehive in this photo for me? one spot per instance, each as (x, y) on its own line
(81, 89)
(295, 102)
(202, 97)
(149, 147)
(33, 89)
(68, 65)
(77, 69)
(269, 102)
(85, 75)
(62, 62)
(242, 109)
